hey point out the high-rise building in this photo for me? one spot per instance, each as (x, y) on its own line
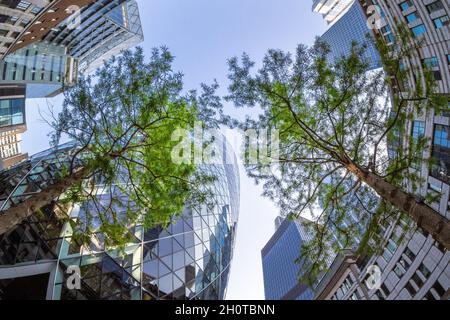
(415, 269)
(349, 27)
(26, 22)
(279, 256)
(426, 275)
(412, 266)
(188, 260)
(12, 124)
(47, 43)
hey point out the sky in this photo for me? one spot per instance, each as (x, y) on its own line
(202, 35)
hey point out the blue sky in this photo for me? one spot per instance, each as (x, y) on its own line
(203, 34)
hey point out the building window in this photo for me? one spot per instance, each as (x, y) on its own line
(417, 280)
(12, 112)
(419, 30)
(424, 270)
(405, 5)
(429, 296)
(399, 271)
(411, 17)
(418, 130)
(380, 296)
(435, 6)
(389, 38)
(357, 295)
(440, 168)
(441, 22)
(438, 289)
(412, 291)
(437, 75)
(431, 62)
(411, 256)
(36, 9)
(385, 290)
(23, 5)
(386, 29)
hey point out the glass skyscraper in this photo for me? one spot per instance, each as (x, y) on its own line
(281, 272)
(350, 27)
(44, 46)
(106, 27)
(49, 48)
(189, 260)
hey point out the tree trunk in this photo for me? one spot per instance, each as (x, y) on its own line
(13, 216)
(426, 218)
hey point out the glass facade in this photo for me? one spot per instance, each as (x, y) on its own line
(14, 16)
(43, 66)
(351, 27)
(106, 28)
(189, 260)
(54, 59)
(281, 272)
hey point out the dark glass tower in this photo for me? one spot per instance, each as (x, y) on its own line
(281, 272)
(350, 27)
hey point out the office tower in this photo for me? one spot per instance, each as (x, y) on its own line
(349, 27)
(281, 272)
(331, 9)
(413, 266)
(106, 28)
(25, 22)
(188, 260)
(12, 124)
(53, 41)
(45, 45)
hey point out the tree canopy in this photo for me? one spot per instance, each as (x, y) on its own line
(121, 121)
(344, 146)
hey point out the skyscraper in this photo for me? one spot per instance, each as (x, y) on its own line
(26, 22)
(45, 45)
(189, 260)
(351, 26)
(281, 272)
(417, 267)
(54, 41)
(413, 266)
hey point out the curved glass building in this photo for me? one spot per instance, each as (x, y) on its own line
(189, 260)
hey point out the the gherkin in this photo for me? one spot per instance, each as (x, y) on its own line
(188, 260)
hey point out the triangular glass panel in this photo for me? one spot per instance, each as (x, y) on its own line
(176, 246)
(178, 260)
(168, 261)
(165, 284)
(163, 269)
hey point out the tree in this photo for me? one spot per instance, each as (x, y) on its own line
(121, 121)
(336, 127)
